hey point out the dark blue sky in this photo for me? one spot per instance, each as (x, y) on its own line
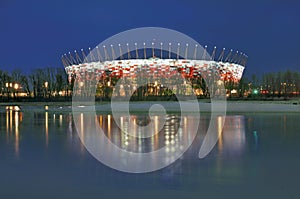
(35, 33)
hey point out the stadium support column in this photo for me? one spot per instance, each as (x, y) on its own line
(170, 50)
(105, 53)
(145, 57)
(228, 56)
(213, 53)
(204, 53)
(136, 51)
(221, 57)
(120, 50)
(161, 51)
(128, 51)
(186, 51)
(178, 50)
(99, 55)
(113, 52)
(153, 55)
(195, 52)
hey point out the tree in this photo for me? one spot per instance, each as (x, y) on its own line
(5, 83)
(25, 83)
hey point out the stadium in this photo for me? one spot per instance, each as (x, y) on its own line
(154, 62)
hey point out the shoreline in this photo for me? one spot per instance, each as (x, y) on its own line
(172, 107)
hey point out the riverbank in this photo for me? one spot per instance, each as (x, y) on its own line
(143, 106)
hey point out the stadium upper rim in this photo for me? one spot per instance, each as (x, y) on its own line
(105, 54)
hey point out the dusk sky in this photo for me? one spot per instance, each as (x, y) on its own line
(35, 33)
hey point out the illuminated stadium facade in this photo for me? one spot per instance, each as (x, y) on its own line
(106, 68)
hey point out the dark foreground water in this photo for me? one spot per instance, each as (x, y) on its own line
(257, 156)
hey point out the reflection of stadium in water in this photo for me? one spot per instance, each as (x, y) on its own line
(168, 136)
(231, 143)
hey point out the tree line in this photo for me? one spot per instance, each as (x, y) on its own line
(52, 83)
(39, 83)
(273, 84)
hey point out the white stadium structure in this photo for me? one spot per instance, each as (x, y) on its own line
(155, 62)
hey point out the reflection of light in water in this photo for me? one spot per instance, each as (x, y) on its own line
(17, 133)
(60, 119)
(82, 131)
(139, 132)
(101, 120)
(124, 125)
(171, 135)
(46, 127)
(7, 126)
(123, 134)
(233, 137)
(126, 140)
(109, 125)
(70, 125)
(13, 119)
(156, 124)
(220, 129)
(17, 121)
(284, 123)
(121, 122)
(81, 124)
(134, 127)
(231, 141)
(255, 134)
(10, 121)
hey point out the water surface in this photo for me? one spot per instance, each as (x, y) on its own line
(257, 156)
